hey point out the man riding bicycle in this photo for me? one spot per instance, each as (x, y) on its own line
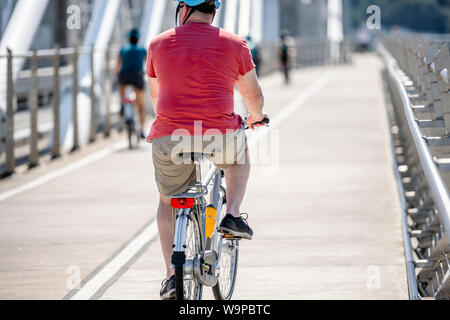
(192, 72)
(130, 71)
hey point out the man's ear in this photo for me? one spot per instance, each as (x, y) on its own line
(185, 12)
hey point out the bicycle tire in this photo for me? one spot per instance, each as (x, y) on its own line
(130, 137)
(219, 292)
(181, 284)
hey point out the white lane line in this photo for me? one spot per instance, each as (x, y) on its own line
(61, 172)
(114, 266)
(287, 111)
(105, 274)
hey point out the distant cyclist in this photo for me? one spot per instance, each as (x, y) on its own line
(284, 56)
(254, 49)
(130, 70)
(192, 71)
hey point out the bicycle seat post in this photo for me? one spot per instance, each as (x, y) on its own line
(198, 170)
(196, 158)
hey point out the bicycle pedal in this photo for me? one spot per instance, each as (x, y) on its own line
(228, 236)
(231, 237)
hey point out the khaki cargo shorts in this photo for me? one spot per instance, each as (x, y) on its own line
(172, 173)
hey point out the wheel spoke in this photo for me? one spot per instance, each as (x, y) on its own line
(193, 246)
(227, 266)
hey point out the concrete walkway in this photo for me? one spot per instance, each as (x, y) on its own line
(326, 218)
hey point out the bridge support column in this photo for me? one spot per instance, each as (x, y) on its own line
(98, 36)
(19, 35)
(335, 30)
(244, 18)
(231, 15)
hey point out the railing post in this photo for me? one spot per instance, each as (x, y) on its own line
(327, 57)
(56, 152)
(76, 144)
(10, 157)
(299, 54)
(34, 102)
(93, 129)
(108, 90)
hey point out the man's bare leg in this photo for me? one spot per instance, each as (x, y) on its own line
(237, 177)
(140, 101)
(122, 91)
(166, 233)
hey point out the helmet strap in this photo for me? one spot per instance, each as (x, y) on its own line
(189, 15)
(177, 13)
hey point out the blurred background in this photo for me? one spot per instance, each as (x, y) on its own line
(59, 103)
(317, 31)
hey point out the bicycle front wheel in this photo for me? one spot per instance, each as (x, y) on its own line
(187, 286)
(228, 265)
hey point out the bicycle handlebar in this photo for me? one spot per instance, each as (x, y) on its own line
(265, 121)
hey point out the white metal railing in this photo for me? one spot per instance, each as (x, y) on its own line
(100, 108)
(426, 197)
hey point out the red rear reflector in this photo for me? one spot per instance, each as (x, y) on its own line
(183, 203)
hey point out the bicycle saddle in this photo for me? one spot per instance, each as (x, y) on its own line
(195, 156)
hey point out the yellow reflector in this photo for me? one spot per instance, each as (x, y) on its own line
(211, 216)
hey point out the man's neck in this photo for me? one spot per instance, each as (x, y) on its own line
(199, 19)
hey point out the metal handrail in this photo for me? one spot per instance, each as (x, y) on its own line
(438, 188)
(7, 137)
(50, 53)
(410, 263)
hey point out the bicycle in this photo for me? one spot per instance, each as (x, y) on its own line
(202, 256)
(130, 119)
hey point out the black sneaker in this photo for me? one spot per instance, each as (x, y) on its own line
(237, 227)
(168, 291)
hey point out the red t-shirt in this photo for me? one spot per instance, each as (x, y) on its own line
(197, 66)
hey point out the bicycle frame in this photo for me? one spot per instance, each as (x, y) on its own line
(205, 266)
(217, 200)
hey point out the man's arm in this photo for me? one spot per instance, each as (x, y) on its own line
(252, 94)
(154, 91)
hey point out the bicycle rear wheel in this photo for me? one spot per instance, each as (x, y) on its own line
(187, 286)
(228, 265)
(131, 129)
(130, 138)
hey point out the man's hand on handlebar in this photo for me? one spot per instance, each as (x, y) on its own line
(255, 121)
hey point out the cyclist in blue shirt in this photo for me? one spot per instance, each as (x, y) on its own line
(254, 49)
(130, 70)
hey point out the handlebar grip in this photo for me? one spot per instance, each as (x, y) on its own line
(265, 121)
